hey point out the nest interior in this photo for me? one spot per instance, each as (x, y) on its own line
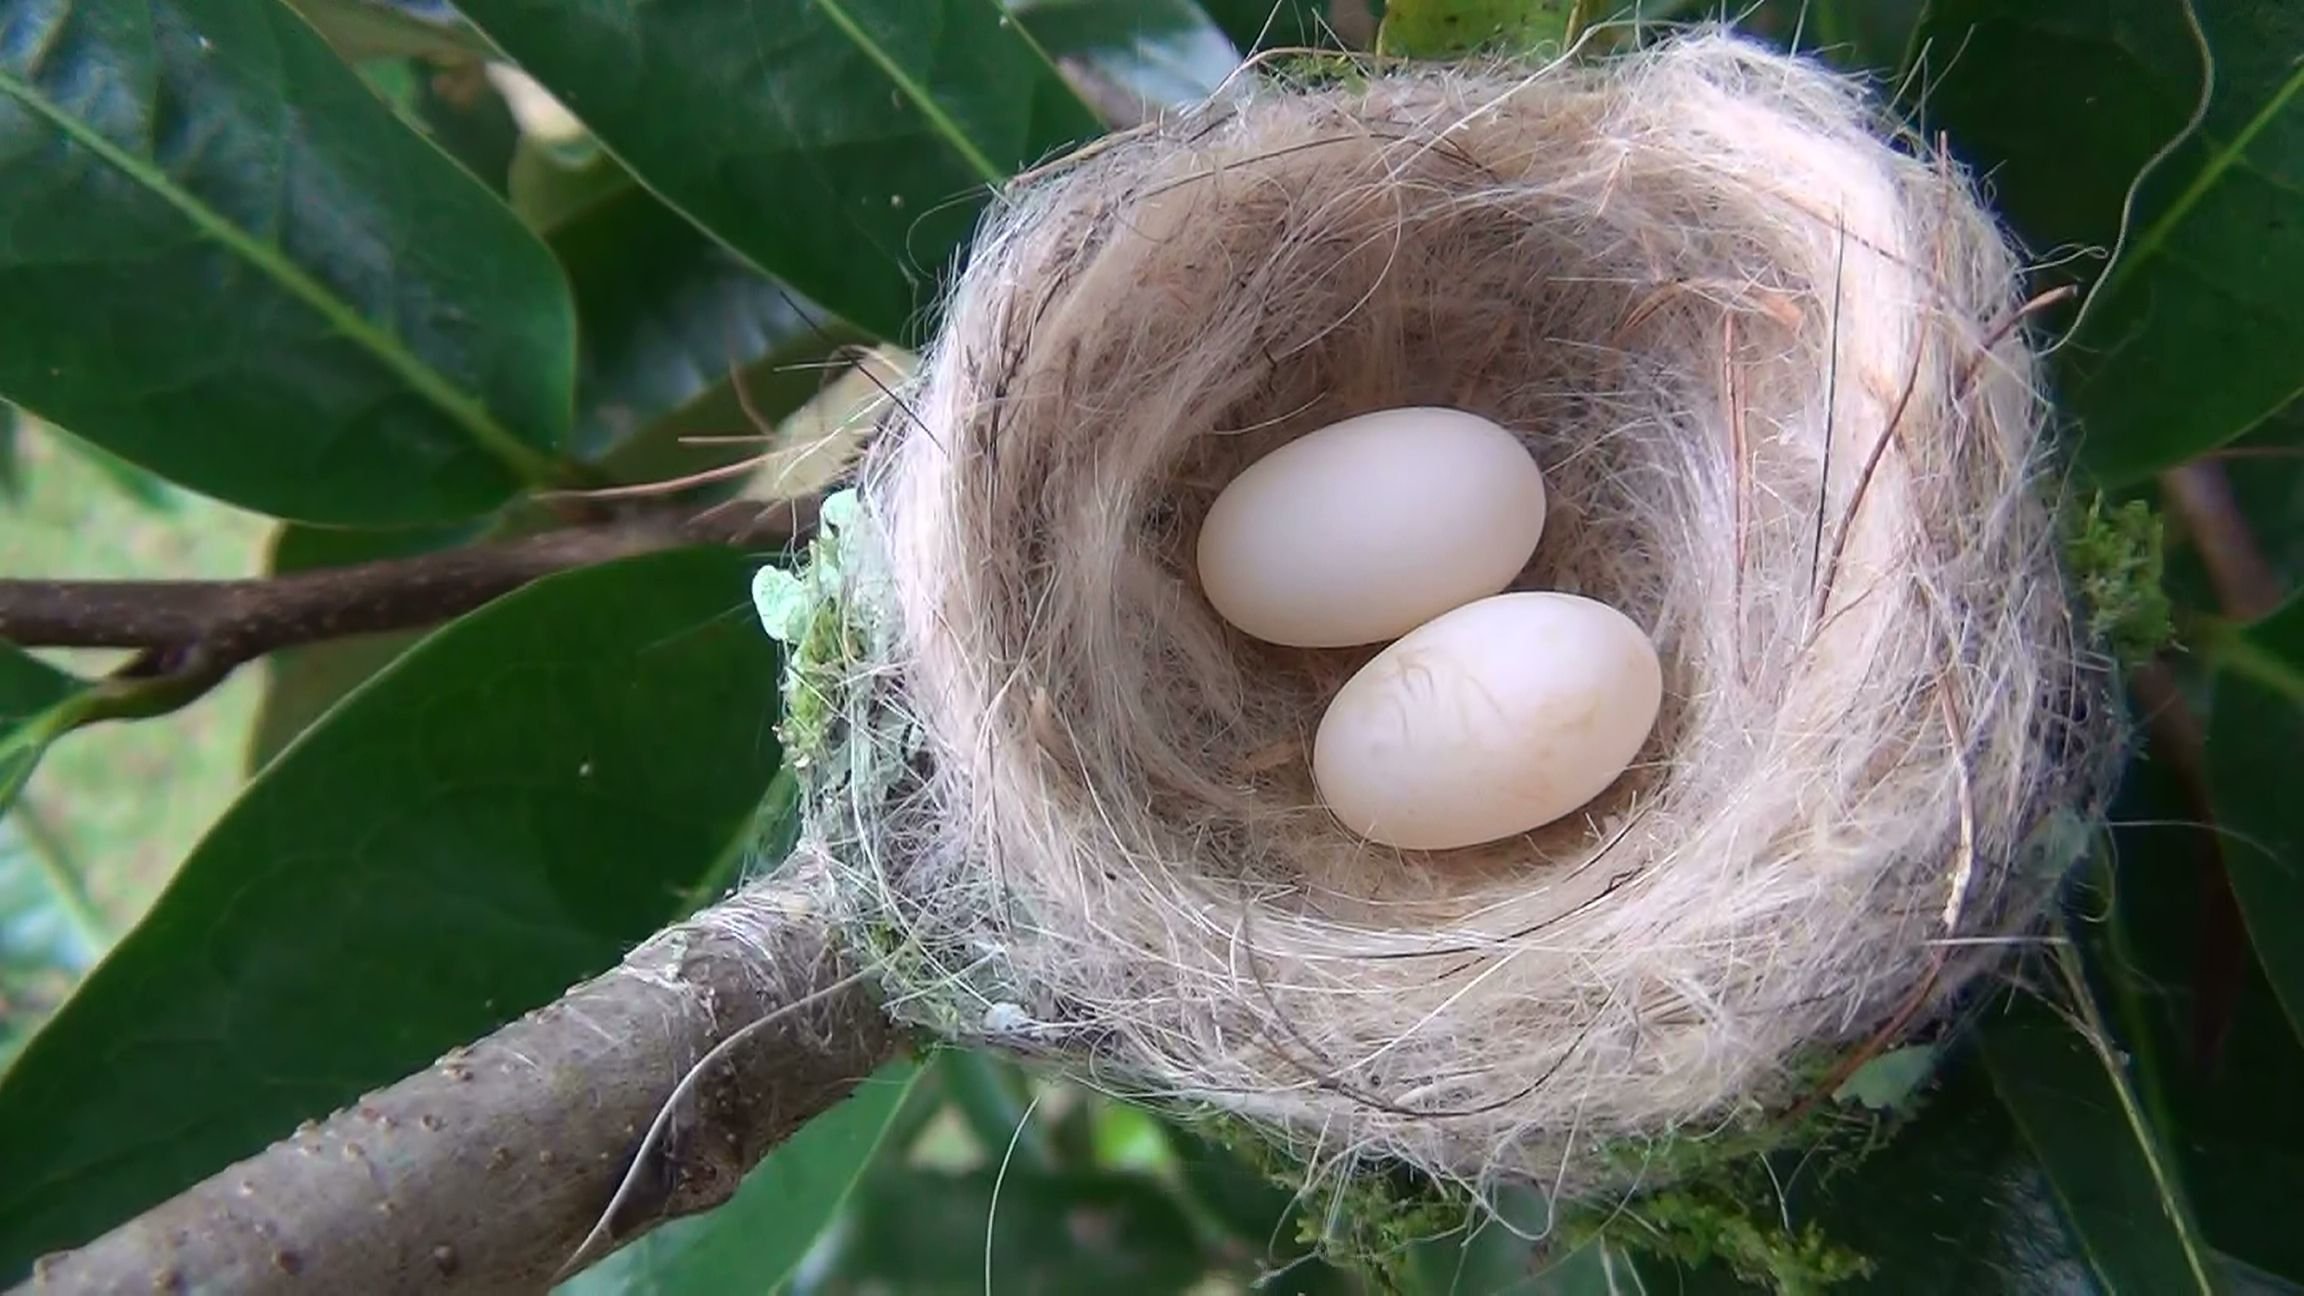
(1763, 351)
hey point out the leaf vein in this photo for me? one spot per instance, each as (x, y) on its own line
(918, 94)
(466, 410)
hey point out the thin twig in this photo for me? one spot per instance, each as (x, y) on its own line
(194, 633)
(2001, 330)
(2247, 585)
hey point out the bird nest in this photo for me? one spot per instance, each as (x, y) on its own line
(1765, 353)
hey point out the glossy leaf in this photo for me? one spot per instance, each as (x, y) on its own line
(135, 484)
(2111, 1174)
(2196, 335)
(1158, 53)
(552, 184)
(844, 146)
(374, 29)
(1952, 1205)
(757, 1240)
(38, 704)
(668, 316)
(2244, 1279)
(503, 812)
(2216, 1061)
(229, 262)
(2253, 742)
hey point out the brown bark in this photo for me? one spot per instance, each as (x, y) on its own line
(486, 1171)
(195, 633)
(2247, 586)
(232, 621)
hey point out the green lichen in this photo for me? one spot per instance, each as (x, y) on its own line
(804, 609)
(1452, 29)
(1373, 1223)
(1719, 1198)
(2116, 556)
(1716, 1203)
(1719, 1218)
(1321, 70)
(1715, 1198)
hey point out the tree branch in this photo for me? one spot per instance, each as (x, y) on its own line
(486, 1171)
(194, 633)
(236, 620)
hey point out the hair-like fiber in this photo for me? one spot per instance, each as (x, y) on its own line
(1765, 351)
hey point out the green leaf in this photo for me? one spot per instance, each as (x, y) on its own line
(1889, 1081)
(844, 146)
(1492, 1254)
(1865, 36)
(2217, 1062)
(2244, 1279)
(756, 1241)
(1159, 53)
(989, 1092)
(1263, 1220)
(38, 704)
(668, 316)
(135, 485)
(2231, 1100)
(229, 262)
(1953, 1203)
(550, 184)
(2254, 738)
(503, 812)
(927, 1232)
(11, 454)
(2081, 1120)
(374, 29)
(49, 932)
(302, 682)
(2196, 334)
(1441, 29)
(1272, 24)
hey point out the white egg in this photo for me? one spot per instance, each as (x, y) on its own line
(1365, 529)
(1493, 719)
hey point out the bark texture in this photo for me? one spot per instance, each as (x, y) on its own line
(486, 1171)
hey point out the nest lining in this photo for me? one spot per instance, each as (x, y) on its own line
(1765, 358)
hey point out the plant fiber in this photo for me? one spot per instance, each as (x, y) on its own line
(1765, 348)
